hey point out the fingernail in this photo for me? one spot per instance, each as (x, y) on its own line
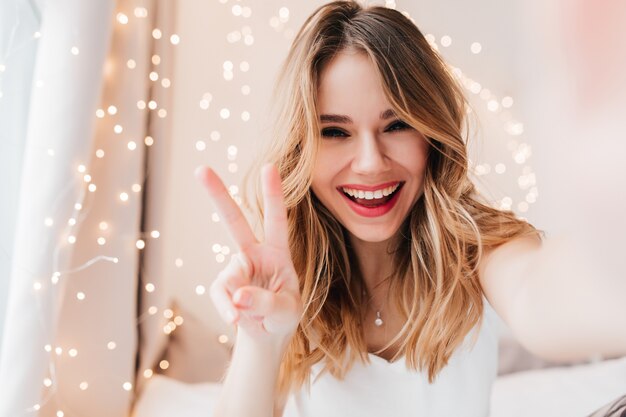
(244, 299)
(230, 316)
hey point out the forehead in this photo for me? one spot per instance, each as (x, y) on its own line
(350, 85)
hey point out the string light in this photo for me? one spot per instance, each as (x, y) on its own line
(200, 145)
(476, 47)
(141, 12)
(283, 14)
(122, 18)
(111, 345)
(200, 289)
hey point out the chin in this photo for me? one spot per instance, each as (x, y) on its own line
(373, 234)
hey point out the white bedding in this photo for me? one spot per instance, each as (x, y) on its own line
(568, 392)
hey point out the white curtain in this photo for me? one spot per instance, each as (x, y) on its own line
(78, 315)
(18, 22)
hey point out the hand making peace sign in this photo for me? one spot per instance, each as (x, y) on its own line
(258, 289)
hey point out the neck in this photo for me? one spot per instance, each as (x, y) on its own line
(375, 262)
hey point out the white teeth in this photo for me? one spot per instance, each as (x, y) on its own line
(371, 195)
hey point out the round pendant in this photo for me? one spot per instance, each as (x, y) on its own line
(378, 322)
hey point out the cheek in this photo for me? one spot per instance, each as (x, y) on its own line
(412, 155)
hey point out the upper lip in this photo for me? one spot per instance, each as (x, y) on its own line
(363, 187)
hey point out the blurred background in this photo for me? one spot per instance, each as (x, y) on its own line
(108, 245)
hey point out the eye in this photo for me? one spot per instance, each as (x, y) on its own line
(398, 125)
(333, 133)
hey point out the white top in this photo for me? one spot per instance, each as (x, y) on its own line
(462, 388)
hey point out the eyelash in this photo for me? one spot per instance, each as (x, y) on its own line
(325, 132)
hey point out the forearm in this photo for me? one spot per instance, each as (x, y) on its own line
(249, 387)
(570, 306)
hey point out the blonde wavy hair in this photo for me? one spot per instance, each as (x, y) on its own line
(444, 235)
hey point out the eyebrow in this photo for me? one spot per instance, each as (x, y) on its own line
(339, 118)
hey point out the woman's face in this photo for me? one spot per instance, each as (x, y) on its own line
(365, 151)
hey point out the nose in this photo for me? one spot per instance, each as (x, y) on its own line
(370, 158)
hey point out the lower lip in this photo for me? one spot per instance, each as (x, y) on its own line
(372, 211)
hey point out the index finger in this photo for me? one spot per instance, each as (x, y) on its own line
(227, 208)
(275, 227)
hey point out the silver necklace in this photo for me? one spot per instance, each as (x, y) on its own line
(378, 321)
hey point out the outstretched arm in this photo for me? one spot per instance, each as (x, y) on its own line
(559, 304)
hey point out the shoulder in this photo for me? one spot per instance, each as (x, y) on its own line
(502, 271)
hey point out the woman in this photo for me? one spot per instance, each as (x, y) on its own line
(367, 294)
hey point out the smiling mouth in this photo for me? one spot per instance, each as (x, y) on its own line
(374, 202)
